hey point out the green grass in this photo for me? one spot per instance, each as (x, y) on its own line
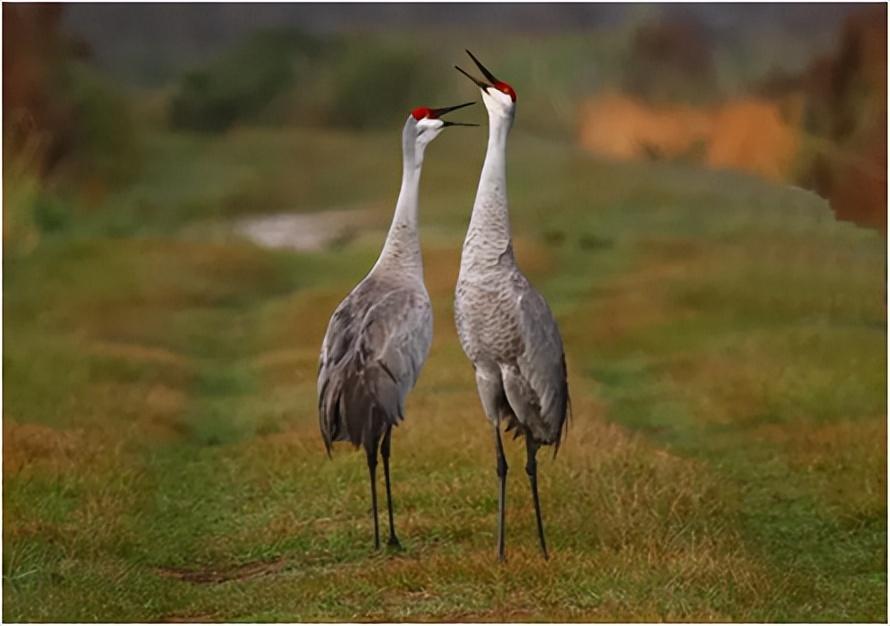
(726, 344)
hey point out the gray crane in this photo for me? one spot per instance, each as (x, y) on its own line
(504, 325)
(378, 338)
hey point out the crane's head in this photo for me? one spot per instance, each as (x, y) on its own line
(499, 97)
(427, 123)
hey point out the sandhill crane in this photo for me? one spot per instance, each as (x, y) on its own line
(504, 325)
(378, 338)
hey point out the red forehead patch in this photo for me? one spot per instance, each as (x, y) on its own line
(421, 112)
(507, 89)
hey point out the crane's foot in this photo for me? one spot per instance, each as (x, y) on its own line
(394, 544)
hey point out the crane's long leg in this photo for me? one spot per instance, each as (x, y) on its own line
(372, 470)
(384, 452)
(531, 468)
(502, 489)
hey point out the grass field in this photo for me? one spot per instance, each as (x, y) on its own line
(726, 348)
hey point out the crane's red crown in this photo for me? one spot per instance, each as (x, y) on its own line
(421, 112)
(505, 88)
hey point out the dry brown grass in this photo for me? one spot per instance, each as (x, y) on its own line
(245, 571)
(33, 447)
(639, 512)
(847, 460)
(639, 298)
(140, 353)
(69, 460)
(639, 503)
(186, 436)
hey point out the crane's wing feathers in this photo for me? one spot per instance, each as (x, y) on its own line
(375, 345)
(536, 384)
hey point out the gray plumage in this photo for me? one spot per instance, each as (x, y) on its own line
(504, 325)
(378, 338)
(508, 332)
(374, 348)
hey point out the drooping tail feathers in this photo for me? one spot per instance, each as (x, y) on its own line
(356, 402)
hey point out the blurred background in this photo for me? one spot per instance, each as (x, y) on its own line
(95, 94)
(699, 190)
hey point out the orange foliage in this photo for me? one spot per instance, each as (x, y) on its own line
(749, 135)
(624, 127)
(839, 103)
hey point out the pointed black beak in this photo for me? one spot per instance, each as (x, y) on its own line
(438, 113)
(483, 69)
(479, 83)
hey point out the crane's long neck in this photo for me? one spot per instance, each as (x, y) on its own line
(488, 236)
(402, 248)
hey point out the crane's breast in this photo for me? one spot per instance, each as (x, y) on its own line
(487, 319)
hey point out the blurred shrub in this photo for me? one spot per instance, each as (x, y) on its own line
(30, 207)
(21, 192)
(238, 85)
(672, 59)
(285, 76)
(375, 80)
(104, 140)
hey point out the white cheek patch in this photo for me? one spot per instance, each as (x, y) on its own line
(496, 99)
(428, 124)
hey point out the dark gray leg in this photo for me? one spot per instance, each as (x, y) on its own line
(384, 452)
(502, 490)
(372, 470)
(531, 468)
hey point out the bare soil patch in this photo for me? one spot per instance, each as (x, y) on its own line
(303, 231)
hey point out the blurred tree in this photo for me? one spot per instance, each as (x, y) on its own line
(59, 112)
(847, 109)
(65, 130)
(33, 52)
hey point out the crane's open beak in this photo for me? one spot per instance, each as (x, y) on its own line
(479, 83)
(438, 113)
